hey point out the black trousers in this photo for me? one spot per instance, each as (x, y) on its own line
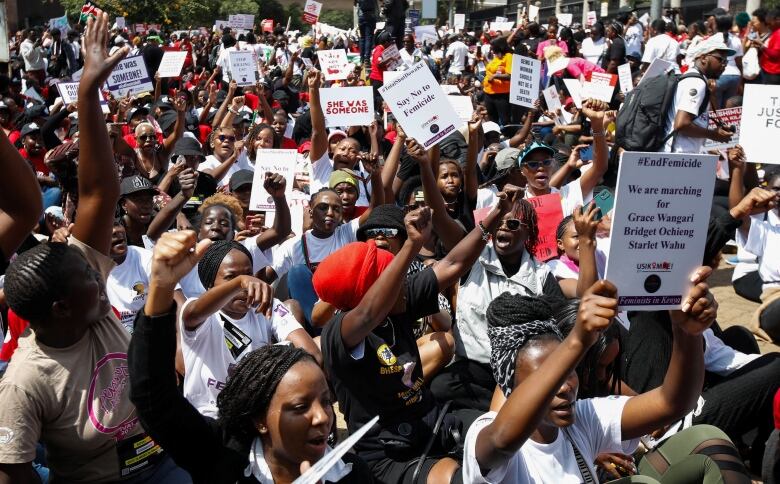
(467, 383)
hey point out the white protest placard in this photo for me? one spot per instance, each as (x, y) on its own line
(69, 92)
(282, 162)
(120, 22)
(220, 25)
(729, 117)
(760, 125)
(592, 18)
(392, 57)
(311, 11)
(459, 22)
(645, 19)
(501, 26)
(241, 21)
(565, 19)
(502, 19)
(347, 106)
(426, 32)
(659, 227)
(533, 13)
(625, 77)
(450, 89)
(420, 106)
(334, 64)
(172, 62)
(553, 101)
(656, 68)
(574, 86)
(242, 67)
(524, 82)
(463, 107)
(130, 77)
(604, 9)
(601, 86)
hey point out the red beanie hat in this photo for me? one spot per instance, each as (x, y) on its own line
(344, 277)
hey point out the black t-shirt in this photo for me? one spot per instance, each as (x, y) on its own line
(385, 378)
(616, 52)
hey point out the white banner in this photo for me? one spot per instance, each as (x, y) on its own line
(420, 106)
(282, 162)
(760, 125)
(334, 64)
(347, 106)
(459, 22)
(524, 84)
(172, 62)
(601, 86)
(243, 67)
(130, 77)
(659, 227)
(241, 21)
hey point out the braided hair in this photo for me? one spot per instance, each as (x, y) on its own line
(561, 230)
(252, 385)
(215, 254)
(513, 323)
(526, 213)
(35, 280)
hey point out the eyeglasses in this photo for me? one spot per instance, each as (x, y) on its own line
(386, 233)
(720, 59)
(513, 224)
(146, 137)
(222, 138)
(534, 165)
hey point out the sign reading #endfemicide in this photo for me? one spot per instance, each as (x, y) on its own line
(659, 227)
(760, 125)
(347, 106)
(130, 77)
(419, 104)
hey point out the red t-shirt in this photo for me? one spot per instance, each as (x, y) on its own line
(376, 69)
(16, 327)
(769, 60)
(288, 144)
(37, 162)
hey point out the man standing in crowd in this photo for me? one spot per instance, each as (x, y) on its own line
(660, 46)
(33, 54)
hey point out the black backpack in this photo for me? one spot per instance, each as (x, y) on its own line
(641, 122)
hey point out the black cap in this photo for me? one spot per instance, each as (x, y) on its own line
(187, 146)
(240, 179)
(167, 120)
(30, 128)
(164, 103)
(140, 111)
(384, 217)
(135, 184)
(243, 117)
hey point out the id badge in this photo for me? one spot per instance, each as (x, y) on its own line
(137, 453)
(235, 339)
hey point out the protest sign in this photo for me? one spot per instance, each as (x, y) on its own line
(273, 161)
(69, 92)
(592, 18)
(574, 87)
(553, 101)
(311, 12)
(420, 106)
(241, 21)
(220, 25)
(626, 81)
(60, 23)
(347, 106)
(450, 89)
(729, 117)
(565, 19)
(139, 28)
(428, 8)
(172, 62)
(334, 64)
(460, 21)
(501, 26)
(645, 19)
(414, 17)
(267, 25)
(130, 77)
(524, 83)
(120, 22)
(656, 68)
(502, 19)
(423, 32)
(462, 106)
(533, 13)
(659, 227)
(242, 67)
(549, 213)
(760, 123)
(601, 86)
(392, 57)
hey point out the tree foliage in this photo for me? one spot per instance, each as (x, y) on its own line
(337, 18)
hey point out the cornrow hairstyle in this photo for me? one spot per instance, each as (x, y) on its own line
(224, 200)
(35, 280)
(526, 213)
(319, 192)
(562, 225)
(215, 254)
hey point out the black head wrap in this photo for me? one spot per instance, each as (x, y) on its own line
(209, 264)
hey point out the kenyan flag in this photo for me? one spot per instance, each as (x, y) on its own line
(88, 10)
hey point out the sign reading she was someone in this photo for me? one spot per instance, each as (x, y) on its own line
(729, 117)
(760, 125)
(334, 64)
(347, 106)
(282, 162)
(130, 77)
(420, 106)
(659, 227)
(524, 83)
(243, 68)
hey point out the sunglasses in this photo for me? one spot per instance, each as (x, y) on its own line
(222, 138)
(513, 224)
(720, 59)
(146, 137)
(386, 233)
(535, 165)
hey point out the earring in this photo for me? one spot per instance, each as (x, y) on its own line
(262, 428)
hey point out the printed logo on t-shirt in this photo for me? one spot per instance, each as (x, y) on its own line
(140, 291)
(108, 401)
(6, 435)
(385, 355)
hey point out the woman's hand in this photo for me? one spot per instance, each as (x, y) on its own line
(699, 307)
(616, 465)
(97, 63)
(598, 308)
(418, 225)
(258, 294)
(575, 161)
(275, 184)
(417, 152)
(509, 197)
(175, 254)
(736, 157)
(585, 222)
(594, 109)
(188, 180)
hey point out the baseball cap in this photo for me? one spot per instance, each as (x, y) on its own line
(304, 147)
(336, 132)
(241, 178)
(713, 44)
(343, 176)
(507, 158)
(490, 126)
(135, 184)
(142, 111)
(29, 128)
(187, 146)
(534, 146)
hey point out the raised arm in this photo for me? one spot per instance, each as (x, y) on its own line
(234, 110)
(265, 108)
(528, 122)
(275, 185)
(470, 178)
(371, 164)
(210, 102)
(319, 137)
(98, 184)
(188, 179)
(594, 110)
(559, 178)
(758, 200)
(20, 198)
(224, 106)
(180, 105)
(586, 225)
(392, 163)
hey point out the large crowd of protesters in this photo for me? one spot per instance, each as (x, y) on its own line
(157, 329)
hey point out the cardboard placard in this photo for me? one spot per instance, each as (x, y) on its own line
(311, 11)
(659, 227)
(420, 106)
(392, 57)
(347, 106)
(553, 101)
(459, 22)
(242, 67)
(241, 21)
(334, 64)
(601, 86)
(533, 13)
(760, 124)
(656, 68)
(565, 19)
(60, 23)
(625, 77)
(273, 161)
(575, 91)
(592, 18)
(501, 26)
(220, 25)
(463, 107)
(130, 77)
(524, 83)
(172, 62)
(729, 117)
(549, 213)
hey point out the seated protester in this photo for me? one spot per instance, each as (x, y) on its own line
(536, 164)
(507, 171)
(274, 413)
(58, 386)
(542, 433)
(576, 236)
(127, 286)
(771, 470)
(240, 187)
(136, 207)
(346, 184)
(371, 354)
(236, 314)
(228, 156)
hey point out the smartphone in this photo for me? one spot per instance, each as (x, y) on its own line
(586, 154)
(605, 201)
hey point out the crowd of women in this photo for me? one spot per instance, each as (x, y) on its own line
(158, 329)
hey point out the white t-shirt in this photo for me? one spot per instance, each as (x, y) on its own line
(596, 429)
(664, 47)
(290, 253)
(634, 35)
(736, 45)
(320, 178)
(689, 98)
(459, 52)
(764, 241)
(128, 284)
(241, 163)
(207, 358)
(594, 51)
(561, 270)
